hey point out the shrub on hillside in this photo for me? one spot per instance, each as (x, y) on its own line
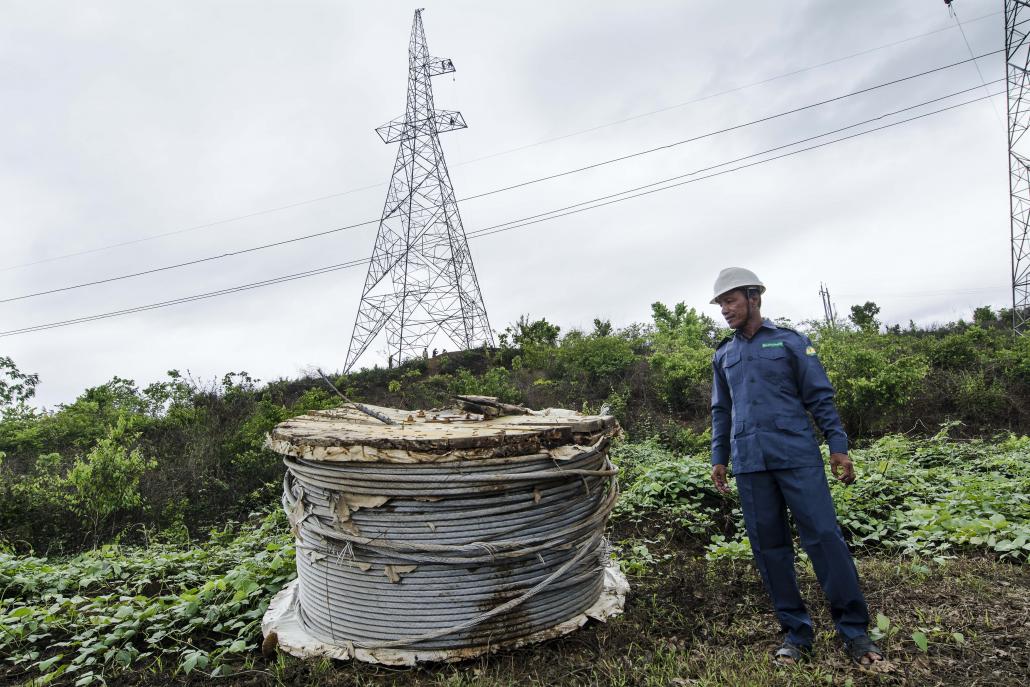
(872, 374)
(83, 461)
(107, 479)
(590, 359)
(496, 382)
(682, 345)
(208, 438)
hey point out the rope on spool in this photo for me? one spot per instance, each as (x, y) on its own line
(451, 555)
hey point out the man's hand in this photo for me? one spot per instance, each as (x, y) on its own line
(842, 467)
(719, 477)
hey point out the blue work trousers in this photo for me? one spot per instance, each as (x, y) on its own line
(765, 498)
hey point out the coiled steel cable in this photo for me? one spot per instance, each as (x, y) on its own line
(450, 555)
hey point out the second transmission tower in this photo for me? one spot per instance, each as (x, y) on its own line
(1017, 67)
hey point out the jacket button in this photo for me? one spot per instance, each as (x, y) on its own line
(750, 357)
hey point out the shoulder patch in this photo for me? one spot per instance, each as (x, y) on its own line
(810, 350)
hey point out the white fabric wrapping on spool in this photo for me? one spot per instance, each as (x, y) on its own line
(283, 619)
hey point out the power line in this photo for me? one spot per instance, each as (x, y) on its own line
(189, 262)
(550, 214)
(736, 126)
(962, 31)
(727, 91)
(309, 201)
(523, 183)
(153, 237)
(475, 234)
(489, 231)
(189, 299)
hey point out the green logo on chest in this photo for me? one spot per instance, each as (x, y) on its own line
(773, 344)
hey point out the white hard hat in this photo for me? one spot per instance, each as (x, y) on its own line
(735, 278)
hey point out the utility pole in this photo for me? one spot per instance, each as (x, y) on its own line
(421, 282)
(1017, 64)
(829, 310)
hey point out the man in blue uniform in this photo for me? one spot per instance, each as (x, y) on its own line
(766, 380)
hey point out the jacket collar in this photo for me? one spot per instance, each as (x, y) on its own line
(766, 324)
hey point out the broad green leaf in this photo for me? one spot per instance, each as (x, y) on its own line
(44, 666)
(190, 662)
(921, 641)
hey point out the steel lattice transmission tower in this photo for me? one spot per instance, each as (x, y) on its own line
(1017, 67)
(421, 282)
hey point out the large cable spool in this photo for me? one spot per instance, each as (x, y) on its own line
(445, 535)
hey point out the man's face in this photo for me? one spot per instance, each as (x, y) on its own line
(734, 308)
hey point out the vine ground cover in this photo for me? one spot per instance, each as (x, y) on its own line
(85, 619)
(922, 498)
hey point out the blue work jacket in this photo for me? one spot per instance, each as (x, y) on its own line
(761, 390)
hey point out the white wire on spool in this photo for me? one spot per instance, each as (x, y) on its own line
(448, 556)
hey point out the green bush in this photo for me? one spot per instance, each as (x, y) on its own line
(593, 358)
(872, 374)
(34, 508)
(683, 343)
(107, 479)
(16, 387)
(1015, 360)
(496, 382)
(56, 504)
(963, 350)
(207, 441)
(525, 332)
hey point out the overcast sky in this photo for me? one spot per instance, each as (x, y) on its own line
(126, 120)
